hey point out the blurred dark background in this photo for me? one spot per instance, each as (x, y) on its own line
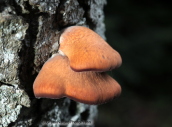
(141, 31)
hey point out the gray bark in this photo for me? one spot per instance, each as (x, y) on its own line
(29, 33)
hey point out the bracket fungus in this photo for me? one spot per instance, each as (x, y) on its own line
(87, 51)
(56, 80)
(78, 72)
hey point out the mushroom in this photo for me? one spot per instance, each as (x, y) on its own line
(56, 80)
(87, 51)
(77, 72)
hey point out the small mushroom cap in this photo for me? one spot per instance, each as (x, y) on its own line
(87, 51)
(56, 80)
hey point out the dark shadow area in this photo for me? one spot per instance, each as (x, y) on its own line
(72, 108)
(85, 115)
(141, 31)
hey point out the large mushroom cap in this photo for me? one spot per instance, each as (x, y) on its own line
(56, 80)
(87, 51)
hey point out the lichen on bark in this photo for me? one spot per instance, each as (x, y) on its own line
(11, 100)
(12, 32)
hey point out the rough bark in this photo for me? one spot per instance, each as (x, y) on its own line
(29, 33)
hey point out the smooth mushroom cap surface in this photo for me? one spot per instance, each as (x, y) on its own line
(87, 51)
(56, 80)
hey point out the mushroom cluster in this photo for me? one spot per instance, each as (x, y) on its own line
(78, 70)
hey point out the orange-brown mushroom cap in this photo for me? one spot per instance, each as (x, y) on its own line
(87, 51)
(56, 80)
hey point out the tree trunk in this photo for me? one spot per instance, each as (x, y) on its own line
(29, 34)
